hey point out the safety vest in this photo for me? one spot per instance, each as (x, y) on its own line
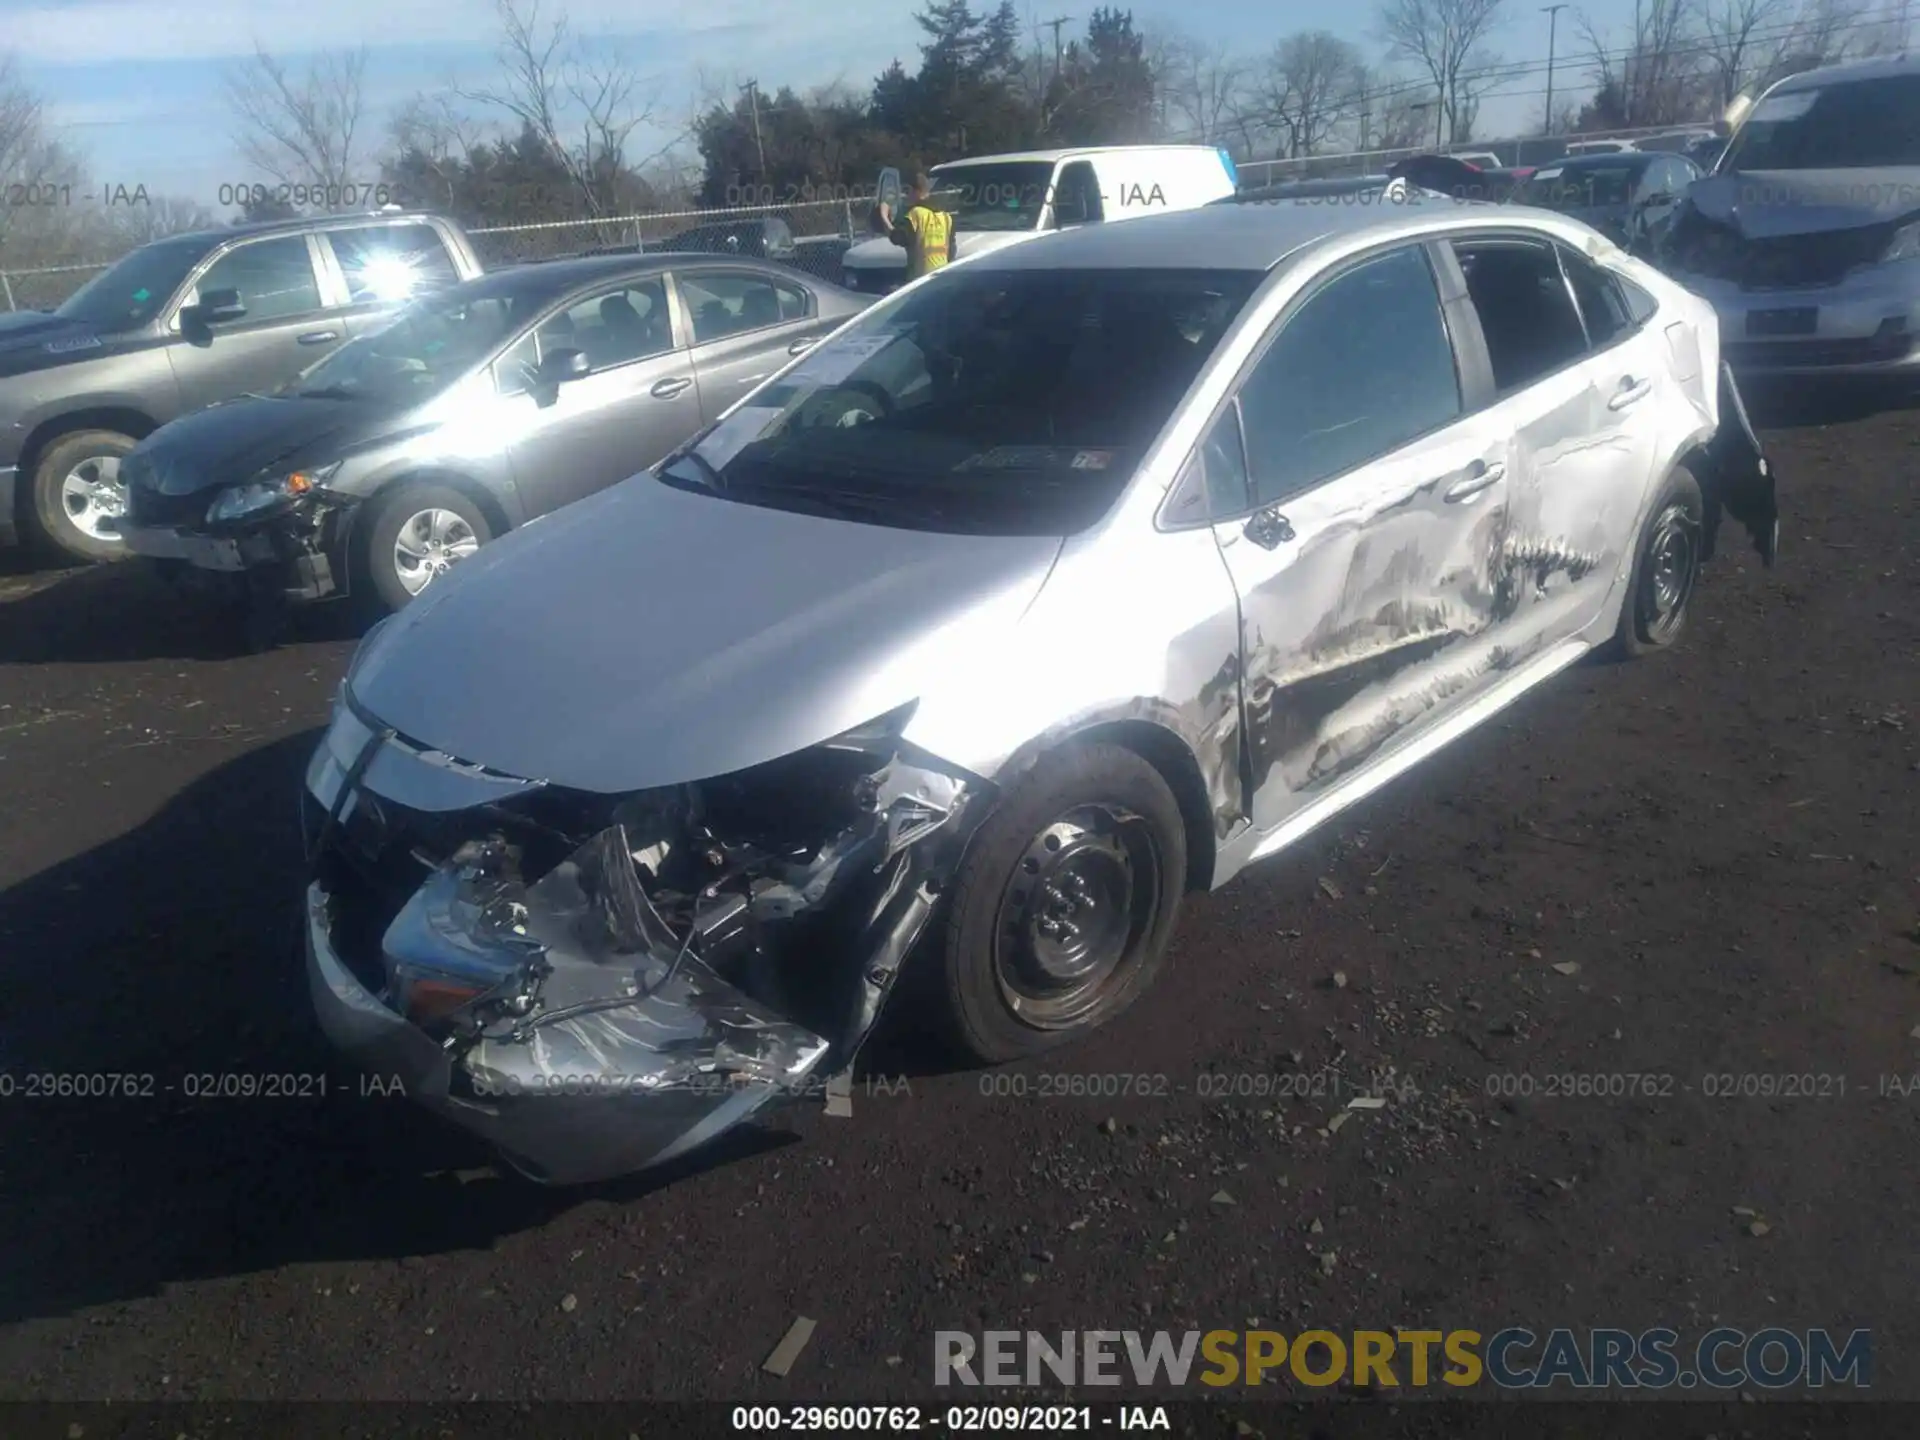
(932, 237)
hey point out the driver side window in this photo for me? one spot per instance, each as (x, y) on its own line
(274, 277)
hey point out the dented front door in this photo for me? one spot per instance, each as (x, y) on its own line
(1364, 569)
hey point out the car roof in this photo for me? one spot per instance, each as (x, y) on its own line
(1609, 160)
(1252, 236)
(1053, 157)
(550, 279)
(299, 225)
(1881, 68)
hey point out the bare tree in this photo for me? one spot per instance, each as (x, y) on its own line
(1655, 79)
(1446, 39)
(1733, 35)
(1822, 32)
(303, 129)
(583, 105)
(1203, 88)
(33, 233)
(1306, 89)
(433, 133)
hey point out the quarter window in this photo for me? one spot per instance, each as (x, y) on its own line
(1363, 367)
(274, 277)
(723, 305)
(1602, 305)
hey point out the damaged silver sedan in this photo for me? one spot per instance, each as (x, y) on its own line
(1064, 582)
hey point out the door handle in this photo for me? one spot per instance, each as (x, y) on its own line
(319, 337)
(1268, 529)
(1630, 392)
(670, 387)
(1480, 476)
(800, 347)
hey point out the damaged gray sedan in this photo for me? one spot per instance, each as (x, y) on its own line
(1066, 581)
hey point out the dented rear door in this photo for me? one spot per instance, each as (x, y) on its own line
(1364, 568)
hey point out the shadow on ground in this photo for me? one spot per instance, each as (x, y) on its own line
(1809, 404)
(105, 614)
(170, 952)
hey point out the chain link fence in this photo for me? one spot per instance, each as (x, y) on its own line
(822, 229)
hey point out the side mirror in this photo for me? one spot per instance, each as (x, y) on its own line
(560, 366)
(217, 307)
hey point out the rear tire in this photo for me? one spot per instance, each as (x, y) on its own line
(76, 485)
(1666, 570)
(1062, 910)
(413, 534)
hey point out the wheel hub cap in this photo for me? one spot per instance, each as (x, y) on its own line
(93, 492)
(1078, 899)
(428, 545)
(1671, 569)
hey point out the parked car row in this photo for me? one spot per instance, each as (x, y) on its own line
(477, 409)
(1058, 584)
(177, 325)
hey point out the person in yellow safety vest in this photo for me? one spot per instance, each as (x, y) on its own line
(924, 232)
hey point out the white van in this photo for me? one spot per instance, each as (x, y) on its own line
(998, 199)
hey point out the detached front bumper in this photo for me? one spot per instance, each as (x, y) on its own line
(587, 1099)
(1867, 324)
(303, 569)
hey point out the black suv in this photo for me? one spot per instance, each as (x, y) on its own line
(178, 325)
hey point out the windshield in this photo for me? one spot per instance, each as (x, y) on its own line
(1856, 126)
(994, 197)
(430, 344)
(131, 291)
(1007, 402)
(1579, 187)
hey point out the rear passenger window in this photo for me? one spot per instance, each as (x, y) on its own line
(390, 263)
(1525, 310)
(1602, 305)
(723, 305)
(1363, 367)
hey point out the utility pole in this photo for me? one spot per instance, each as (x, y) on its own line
(752, 88)
(1552, 12)
(1056, 25)
(1633, 69)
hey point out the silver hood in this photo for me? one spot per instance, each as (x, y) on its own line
(1763, 204)
(650, 636)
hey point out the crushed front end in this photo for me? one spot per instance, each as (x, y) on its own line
(600, 984)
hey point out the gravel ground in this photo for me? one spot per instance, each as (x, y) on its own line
(1706, 864)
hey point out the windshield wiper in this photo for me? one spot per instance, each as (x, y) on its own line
(328, 392)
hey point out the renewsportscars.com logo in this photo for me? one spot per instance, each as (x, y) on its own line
(1511, 1359)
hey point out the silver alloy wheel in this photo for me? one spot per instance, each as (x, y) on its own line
(1085, 891)
(1672, 567)
(93, 492)
(429, 544)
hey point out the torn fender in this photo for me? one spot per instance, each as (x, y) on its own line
(1739, 480)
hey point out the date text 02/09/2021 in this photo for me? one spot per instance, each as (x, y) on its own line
(956, 1419)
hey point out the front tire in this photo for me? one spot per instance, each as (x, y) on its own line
(76, 486)
(1062, 910)
(1666, 570)
(414, 534)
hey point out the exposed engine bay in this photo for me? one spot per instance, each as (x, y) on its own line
(608, 982)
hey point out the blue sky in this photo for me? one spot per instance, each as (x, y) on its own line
(135, 84)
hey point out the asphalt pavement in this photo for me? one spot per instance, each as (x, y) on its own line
(1692, 869)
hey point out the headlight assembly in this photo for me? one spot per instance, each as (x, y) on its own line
(1905, 244)
(259, 497)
